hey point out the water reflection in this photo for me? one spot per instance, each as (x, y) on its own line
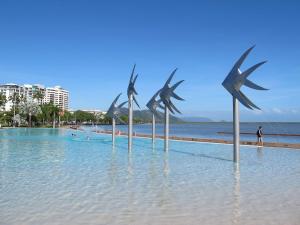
(260, 152)
(236, 195)
(113, 170)
(166, 164)
(129, 165)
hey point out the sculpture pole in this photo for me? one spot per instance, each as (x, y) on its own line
(130, 93)
(152, 106)
(113, 112)
(113, 130)
(153, 128)
(130, 104)
(165, 95)
(166, 129)
(236, 130)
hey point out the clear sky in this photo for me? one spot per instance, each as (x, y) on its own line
(89, 48)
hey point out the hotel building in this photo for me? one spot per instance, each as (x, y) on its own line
(57, 94)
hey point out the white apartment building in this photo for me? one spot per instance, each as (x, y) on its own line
(57, 95)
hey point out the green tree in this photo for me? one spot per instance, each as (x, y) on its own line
(29, 109)
(3, 100)
(15, 99)
(67, 116)
(39, 96)
(54, 112)
(45, 115)
(81, 116)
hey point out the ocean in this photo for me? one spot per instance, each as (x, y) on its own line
(211, 129)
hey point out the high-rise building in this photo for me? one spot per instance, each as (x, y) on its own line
(57, 95)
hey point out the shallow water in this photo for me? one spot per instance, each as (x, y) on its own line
(49, 177)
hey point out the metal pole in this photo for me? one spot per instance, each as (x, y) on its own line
(130, 104)
(153, 128)
(166, 129)
(236, 131)
(113, 130)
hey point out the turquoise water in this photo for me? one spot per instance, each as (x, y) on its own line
(49, 177)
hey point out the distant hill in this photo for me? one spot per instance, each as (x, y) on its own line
(196, 119)
(146, 116)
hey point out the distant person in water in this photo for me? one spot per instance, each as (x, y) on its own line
(259, 135)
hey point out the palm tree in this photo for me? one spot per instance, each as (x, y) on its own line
(54, 111)
(38, 95)
(30, 108)
(15, 98)
(46, 114)
(3, 100)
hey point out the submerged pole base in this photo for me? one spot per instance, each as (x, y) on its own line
(236, 131)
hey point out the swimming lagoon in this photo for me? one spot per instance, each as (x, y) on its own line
(49, 176)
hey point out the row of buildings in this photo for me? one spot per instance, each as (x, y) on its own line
(57, 94)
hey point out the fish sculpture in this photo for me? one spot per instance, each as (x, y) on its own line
(131, 89)
(115, 110)
(167, 92)
(153, 104)
(236, 79)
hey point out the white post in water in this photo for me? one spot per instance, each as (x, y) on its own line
(236, 131)
(113, 130)
(166, 129)
(130, 111)
(153, 128)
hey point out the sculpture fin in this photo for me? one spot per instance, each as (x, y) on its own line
(248, 100)
(173, 106)
(132, 73)
(135, 79)
(116, 99)
(134, 91)
(176, 85)
(170, 108)
(242, 59)
(160, 106)
(247, 72)
(134, 99)
(170, 77)
(176, 96)
(250, 84)
(237, 95)
(122, 104)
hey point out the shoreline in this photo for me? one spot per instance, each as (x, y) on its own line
(204, 140)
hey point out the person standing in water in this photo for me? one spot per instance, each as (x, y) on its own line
(259, 135)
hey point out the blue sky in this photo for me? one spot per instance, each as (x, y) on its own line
(89, 48)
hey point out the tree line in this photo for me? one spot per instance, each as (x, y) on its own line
(35, 113)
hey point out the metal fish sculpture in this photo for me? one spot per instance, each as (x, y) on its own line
(233, 83)
(236, 79)
(166, 93)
